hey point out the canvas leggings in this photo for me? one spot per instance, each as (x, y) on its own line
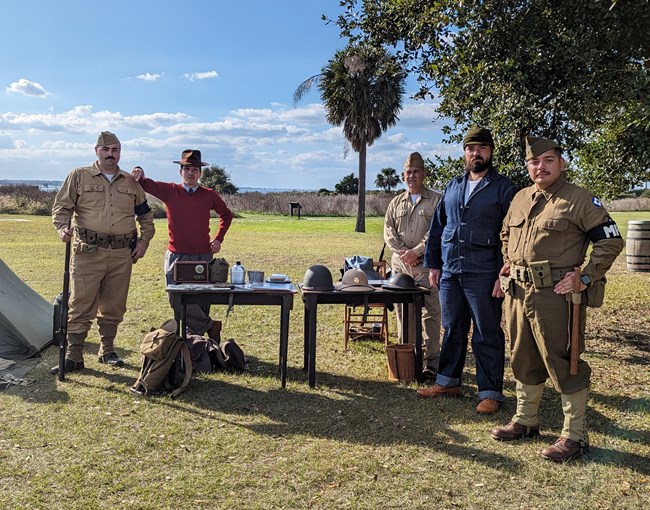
(99, 286)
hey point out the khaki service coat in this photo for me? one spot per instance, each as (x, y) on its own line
(558, 228)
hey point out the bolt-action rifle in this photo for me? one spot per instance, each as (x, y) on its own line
(62, 331)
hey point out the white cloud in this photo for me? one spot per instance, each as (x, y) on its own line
(149, 76)
(28, 88)
(206, 75)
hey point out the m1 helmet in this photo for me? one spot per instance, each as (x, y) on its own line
(318, 277)
(400, 281)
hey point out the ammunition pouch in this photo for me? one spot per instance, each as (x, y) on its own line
(90, 238)
(539, 274)
(595, 293)
(505, 282)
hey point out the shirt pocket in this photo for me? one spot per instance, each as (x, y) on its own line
(550, 238)
(92, 195)
(126, 199)
(425, 215)
(515, 235)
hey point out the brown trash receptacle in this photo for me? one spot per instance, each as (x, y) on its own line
(401, 362)
(637, 245)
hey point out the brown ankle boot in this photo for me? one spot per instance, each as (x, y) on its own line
(565, 449)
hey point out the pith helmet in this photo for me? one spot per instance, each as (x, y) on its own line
(318, 277)
(400, 281)
(354, 280)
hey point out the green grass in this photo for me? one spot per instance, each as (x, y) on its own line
(355, 441)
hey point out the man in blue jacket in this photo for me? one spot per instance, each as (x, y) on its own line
(463, 255)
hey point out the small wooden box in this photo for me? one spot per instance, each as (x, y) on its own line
(191, 271)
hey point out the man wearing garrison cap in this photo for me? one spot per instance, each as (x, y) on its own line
(96, 209)
(463, 257)
(406, 228)
(545, 235)
(188, 207)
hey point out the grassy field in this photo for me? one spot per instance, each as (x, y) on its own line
(355, 441)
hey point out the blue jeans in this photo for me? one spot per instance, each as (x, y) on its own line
(465, 299)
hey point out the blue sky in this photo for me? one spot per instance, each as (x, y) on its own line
(165, 75)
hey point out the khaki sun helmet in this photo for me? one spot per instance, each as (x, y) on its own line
(400, 281)
(318, 277)
(354, 280)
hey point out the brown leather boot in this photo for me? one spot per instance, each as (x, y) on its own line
(565, 449)
(438, 390)
(513, 431)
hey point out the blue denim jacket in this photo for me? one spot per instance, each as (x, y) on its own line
(464, 238)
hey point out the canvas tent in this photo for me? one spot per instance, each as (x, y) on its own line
(25, 318)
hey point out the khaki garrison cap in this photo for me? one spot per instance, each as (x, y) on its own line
(536, 146)
(414, 159)
(106, 138)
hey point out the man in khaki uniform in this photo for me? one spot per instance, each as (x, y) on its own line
(545, 235)
(96, 209)
(406, 229)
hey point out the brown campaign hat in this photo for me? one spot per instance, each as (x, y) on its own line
(478, 135)
(536, 146)
(414, 160)
(191, 157)
(106, 138)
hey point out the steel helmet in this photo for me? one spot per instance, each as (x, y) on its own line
(400, 281)
(318, 277)
(354, 280)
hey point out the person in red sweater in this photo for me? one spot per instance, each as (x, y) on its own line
(188, 207)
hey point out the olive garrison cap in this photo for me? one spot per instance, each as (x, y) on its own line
(478, 135)
(536, 146)
(106, 138)
(191, 157)
(414, 159)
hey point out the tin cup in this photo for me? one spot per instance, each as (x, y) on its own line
(256, 277)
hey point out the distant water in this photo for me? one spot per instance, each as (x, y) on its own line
(55, 185)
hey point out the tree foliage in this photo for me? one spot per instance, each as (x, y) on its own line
(387, 179)
(573, 71)
(362, 89)
(218, 179)
(348, 185)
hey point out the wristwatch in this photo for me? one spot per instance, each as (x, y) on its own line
(585, 279)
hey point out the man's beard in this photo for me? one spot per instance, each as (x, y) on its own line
(478, 166)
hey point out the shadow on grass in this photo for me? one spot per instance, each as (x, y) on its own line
(366, 412)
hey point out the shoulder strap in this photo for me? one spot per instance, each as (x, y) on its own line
(187, 361)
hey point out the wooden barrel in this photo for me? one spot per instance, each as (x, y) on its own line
(637, 245)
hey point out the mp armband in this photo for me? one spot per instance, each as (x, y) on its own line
(607, 230)
(141, 209)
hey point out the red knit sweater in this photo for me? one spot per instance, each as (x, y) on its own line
(188, 215)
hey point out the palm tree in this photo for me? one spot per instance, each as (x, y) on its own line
(361, 88)
(387, 179)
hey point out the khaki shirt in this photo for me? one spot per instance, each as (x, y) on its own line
(406, 226)
(89, 200)
(559, 229)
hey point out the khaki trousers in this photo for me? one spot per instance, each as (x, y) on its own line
(99, 286)
(538, 325)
